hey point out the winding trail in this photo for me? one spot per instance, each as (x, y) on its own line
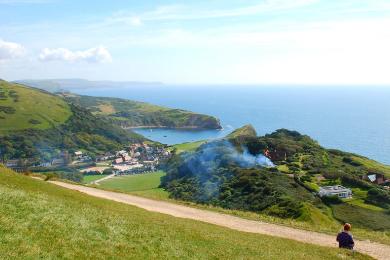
(373, 249)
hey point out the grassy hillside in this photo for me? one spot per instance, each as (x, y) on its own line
(40, 220)
(187, 147)
(61, 127)
(147, 184)
(25, 108)
(245, 131)
(225, 173)
(127, 113)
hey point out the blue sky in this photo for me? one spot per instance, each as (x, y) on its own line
(198, 42)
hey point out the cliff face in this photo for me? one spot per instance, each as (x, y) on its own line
(203, 122)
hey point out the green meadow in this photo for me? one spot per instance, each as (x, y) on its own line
(26, 108)
(90, 178)
(146, 185)
(188, 147)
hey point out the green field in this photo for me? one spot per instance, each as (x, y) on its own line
(39, 220)
(188, 147)
(362, 217)
(91, 178)
(146, 184)
(25, 108)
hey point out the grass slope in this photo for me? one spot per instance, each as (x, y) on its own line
(40, 220)
(127, 113)
(52, 126)
(212, 176)
(188, 147)
(26, 108)
(245, 131)
(91, 178)
(146, 185)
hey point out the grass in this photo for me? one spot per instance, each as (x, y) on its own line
(244, 131)
(41, 220)
(283, 168)
(146, 185)
(371, 164)
(32, 109)
(362, 217)
(358, 200)
(188, 147)
(91, 178)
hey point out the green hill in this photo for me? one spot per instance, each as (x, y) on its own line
(40, 126)
(127, 113)
(39, 220)
(245, 131)
(232, 173)
(26, 108)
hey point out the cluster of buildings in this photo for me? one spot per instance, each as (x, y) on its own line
(139, 158)
(136, 158)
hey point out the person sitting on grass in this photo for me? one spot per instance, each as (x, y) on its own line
(345, 238)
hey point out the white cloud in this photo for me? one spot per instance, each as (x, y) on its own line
(94, 55)
(10, 50)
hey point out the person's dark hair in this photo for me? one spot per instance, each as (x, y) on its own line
(347, 227)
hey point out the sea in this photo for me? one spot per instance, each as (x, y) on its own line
(350, 118)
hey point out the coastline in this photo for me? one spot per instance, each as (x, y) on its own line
(173, 128)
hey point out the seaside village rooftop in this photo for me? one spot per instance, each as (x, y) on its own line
(135, 158)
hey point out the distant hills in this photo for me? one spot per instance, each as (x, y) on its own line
(58, 85)
(123, 112)
(26, 108)
(128, 113)
(38, 125)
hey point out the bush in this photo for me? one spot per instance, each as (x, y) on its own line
(331, 200)
(50, 176)
(352, 162)
(108, 171)
(378, 197)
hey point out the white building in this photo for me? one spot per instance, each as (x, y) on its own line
(78, 153)
(336, 190)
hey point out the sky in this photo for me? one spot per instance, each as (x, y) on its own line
(198, 42)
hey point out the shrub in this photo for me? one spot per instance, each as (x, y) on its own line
(7, 110)
(378, 197)
(50, 176)
(329, 200)
(108, 171)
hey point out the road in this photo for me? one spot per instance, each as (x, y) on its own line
(373, 249)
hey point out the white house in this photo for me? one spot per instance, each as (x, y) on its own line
(336, 190)
(78, 153)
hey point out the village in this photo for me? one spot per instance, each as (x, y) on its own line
(135, 158)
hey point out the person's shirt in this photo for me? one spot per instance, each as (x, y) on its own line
(345, 240)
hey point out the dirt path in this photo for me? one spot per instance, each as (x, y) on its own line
(373, 249)
(103, 179)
